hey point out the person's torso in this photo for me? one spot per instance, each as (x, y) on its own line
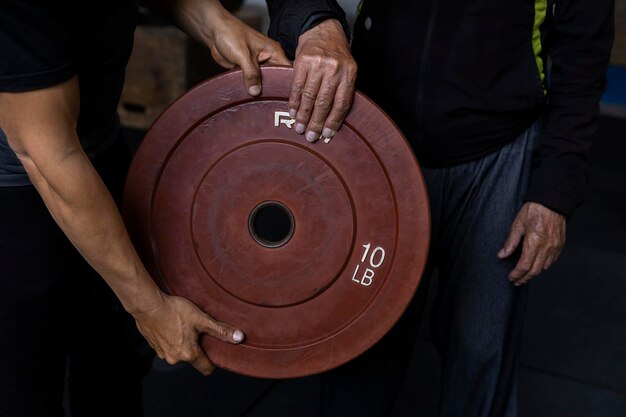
(461, 78)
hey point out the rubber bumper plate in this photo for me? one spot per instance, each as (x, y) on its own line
(314, 250)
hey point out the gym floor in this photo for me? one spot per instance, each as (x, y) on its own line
(574, 350)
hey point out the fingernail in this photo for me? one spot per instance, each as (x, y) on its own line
(299, 128)
(292, 113)
(311, 136)
(327, 133)
(237, 336)
(501, 253)
(255, 90)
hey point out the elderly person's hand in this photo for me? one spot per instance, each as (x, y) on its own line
(324, 78)
(543, 233)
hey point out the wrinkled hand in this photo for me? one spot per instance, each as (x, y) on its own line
(324, 78)
(543, 231)
(234, 44)
(173, 330)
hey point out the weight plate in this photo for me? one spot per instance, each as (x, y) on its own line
(313, 250)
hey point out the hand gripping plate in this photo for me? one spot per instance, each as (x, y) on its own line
(314, 250)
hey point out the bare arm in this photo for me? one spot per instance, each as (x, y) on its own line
(41, 128)
(232, 43)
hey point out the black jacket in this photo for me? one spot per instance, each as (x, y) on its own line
(462, 78)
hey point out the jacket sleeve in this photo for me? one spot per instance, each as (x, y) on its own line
(579, 47)
(290, 18)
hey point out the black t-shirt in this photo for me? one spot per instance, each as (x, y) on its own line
(45, 42)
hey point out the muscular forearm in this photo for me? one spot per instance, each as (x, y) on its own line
(85, 211)
(197, 18)
(41, 129)
(231, 42)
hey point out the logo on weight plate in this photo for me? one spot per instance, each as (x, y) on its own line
(282, 117)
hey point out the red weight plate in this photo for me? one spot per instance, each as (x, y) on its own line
(313, 250)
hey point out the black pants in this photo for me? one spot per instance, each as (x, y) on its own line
(57, 312)
(478, 314)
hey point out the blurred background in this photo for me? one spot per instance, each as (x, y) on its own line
(574, 350)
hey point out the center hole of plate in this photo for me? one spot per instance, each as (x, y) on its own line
(271, 224)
